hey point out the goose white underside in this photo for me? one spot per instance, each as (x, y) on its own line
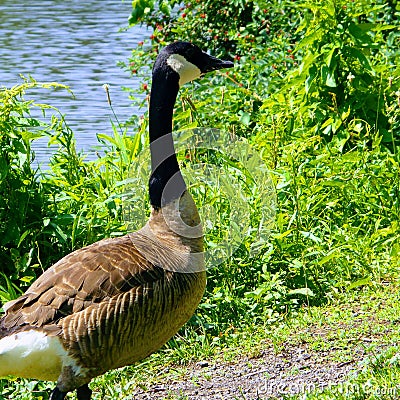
(32, 354)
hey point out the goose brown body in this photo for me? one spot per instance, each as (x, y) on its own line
(118, 300)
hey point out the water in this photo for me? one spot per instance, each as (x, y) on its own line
(77, 43)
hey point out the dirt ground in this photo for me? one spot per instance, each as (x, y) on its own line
(294, 370)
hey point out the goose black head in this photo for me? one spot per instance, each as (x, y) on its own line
(187, 61)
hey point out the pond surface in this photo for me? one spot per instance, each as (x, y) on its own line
(77, 43)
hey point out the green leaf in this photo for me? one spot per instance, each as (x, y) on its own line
(310, 38)
(310, 235)
(3, 168)
(345, 114)
(327, 123)
(328, 76)
(359, 34)
(361, 57)
(360, 282)
(245, 118)
(139, 8)
(330, 61)
(136, 144)
(304, 291)
(26, 136)
(327, 258)
(310, 79)
(27, 279)
(379, 27)
(107, 138)
(59, 233)
(23, 236)
(165, 8)
(12, 234)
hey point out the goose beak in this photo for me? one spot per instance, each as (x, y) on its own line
(213, 63)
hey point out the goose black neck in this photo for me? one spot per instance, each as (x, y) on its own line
(166, 182)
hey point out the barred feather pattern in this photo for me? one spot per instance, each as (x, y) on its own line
(118, 300)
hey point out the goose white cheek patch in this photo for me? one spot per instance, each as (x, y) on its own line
(186, 70)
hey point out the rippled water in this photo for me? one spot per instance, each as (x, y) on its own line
(77, 43)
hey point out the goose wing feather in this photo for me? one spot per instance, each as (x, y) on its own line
(87, 276)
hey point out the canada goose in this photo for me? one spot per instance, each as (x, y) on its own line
(118, 300)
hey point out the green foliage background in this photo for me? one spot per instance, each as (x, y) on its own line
(316, 88)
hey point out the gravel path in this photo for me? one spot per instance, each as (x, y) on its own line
(316, 357)
(270, 375)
